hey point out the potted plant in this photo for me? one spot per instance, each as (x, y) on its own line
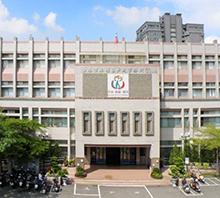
(63, 174)
(80, 172)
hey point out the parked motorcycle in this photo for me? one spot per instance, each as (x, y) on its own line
(56, 187)
(12, 180)
(36, 183)
(21, 179)
(185, 185)
(200, 178)
(195, 184)
(29, 181)
(2, 179)
(44, 186)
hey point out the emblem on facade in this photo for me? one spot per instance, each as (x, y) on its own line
(117, 82)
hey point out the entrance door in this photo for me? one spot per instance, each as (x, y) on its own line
(113, 156)
(132, 155)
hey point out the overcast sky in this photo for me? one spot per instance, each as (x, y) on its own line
(92, 19)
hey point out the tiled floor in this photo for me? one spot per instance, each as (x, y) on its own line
(103, 174)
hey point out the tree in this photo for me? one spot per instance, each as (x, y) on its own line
(174, 153)
(19, 140)
(210, 138)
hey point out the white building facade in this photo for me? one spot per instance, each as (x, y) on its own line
(107, 103)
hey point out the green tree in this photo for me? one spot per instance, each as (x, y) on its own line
(19, 140)
(209, 137)
(174, 153)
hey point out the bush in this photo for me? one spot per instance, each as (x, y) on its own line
(79, 168)
(72, 162)
(198, 165)
(62, 173)
(156, 170)
(206, 165)
(157, 175)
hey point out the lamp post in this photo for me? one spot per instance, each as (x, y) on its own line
(185, 136)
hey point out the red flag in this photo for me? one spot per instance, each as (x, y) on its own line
(116, 38)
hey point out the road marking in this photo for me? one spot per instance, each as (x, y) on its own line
(80, 194)
(192, 192)
(148, 192)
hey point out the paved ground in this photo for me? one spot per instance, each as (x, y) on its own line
(138, 175)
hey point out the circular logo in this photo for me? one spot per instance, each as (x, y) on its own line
(118, 82)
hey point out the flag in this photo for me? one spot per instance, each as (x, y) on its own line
(116, 38)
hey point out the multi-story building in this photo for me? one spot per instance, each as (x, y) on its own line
(169, 29)
(107, 103)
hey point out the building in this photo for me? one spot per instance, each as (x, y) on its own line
(107, 103)
(169, 29)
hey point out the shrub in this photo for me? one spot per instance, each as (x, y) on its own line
(72, 162)
(206, 165)
(157, 175)
(198, 165)
(80, 173)
(156, 170)
(62, 173)
(79, 168)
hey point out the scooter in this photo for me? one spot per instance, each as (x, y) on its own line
(185, 186)
(12, 180)
(195, 185)
(44, 186)
(36, 183)
(29, 181)
(2, 179)
(56, 187)
(21, 179)
(200, 178)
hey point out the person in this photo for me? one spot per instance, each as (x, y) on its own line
(40, 179)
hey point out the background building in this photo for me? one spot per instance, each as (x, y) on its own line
(169, 29)
(67, 85)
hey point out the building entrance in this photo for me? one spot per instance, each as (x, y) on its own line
(112, 156)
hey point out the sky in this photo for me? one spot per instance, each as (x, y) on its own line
(92, 19)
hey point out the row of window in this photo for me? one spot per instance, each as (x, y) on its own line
(38, 64)
(38, 92)
(184, 92)
(124, 124)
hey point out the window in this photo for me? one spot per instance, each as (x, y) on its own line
(22, 64)
(7, 92)
(137, 123)
(54, 92)
(168, 64)
(182, 65)
(39, 64)
(197, 93)
(170, 122)
(182, 92)
(125, 123)
(7, 63)
(112, 123)
(39, 56)
(39, 92)
(209, 65)
(197, 84)
(111, 59)
(169, 92)
(86, 123)
(22, 92)
(149, 123)
(22, 83)
(72, 122)
(69, 63)
(54, 55)
(7, 83)
(197, 65)
(54, 63)
(170, 84)
(39, 84)
(54, 84)
(68, 92)
(210, 92)
(210, 120)
(99, 123)
(54, 121)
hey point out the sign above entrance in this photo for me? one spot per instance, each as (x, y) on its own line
(118, 85)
